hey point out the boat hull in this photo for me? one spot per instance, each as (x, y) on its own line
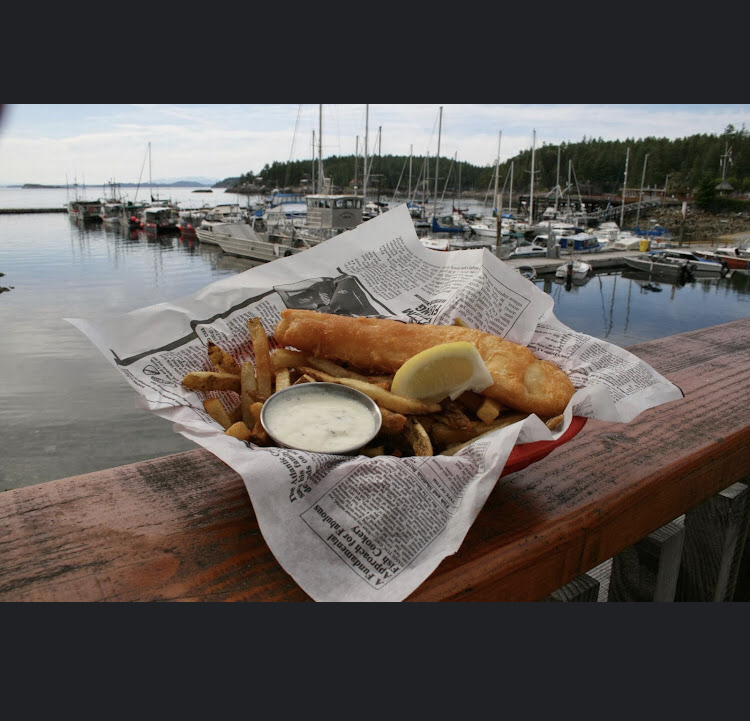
(243, 241)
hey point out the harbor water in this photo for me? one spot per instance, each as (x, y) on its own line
(64, 410)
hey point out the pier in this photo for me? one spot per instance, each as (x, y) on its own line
(651, 510)
(16, 211)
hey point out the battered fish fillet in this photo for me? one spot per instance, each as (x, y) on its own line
(377, 345)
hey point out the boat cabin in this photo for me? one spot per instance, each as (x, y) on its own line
(334, 211)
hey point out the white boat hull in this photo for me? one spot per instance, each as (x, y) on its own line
(242, 240)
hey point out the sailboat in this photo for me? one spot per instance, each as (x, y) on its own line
(444, 223)
(487, 226)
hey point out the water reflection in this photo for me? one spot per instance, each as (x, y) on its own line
(627, 307)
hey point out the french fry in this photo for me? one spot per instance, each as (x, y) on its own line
(263, 372)
(482, 429)
(258, 432)
(215, 408)
(386, 399)
(287, 358)
(462, 323)
(392, 422)
(235, 414)
(417, 437)
(211, 381)
(248, 391)
(255, 409)
(283, 379)
(502, 421)
(445, 435)
(372, 452)
(553, 423)
(222, 360)
(304, 378)
(489, 410)
(338, 371)
(239, 430)
(452, 415)
(470, 400)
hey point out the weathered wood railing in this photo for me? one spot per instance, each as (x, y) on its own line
(655, 509)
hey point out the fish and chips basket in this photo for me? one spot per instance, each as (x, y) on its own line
(366, 527)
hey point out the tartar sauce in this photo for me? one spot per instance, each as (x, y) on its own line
(325, 422)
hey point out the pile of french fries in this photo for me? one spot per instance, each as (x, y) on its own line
(410, 427)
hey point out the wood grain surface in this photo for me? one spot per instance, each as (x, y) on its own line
(182, 527)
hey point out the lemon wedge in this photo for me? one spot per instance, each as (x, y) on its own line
(445, 370)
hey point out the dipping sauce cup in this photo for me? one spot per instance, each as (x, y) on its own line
(321, 417)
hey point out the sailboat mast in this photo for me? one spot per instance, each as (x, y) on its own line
(498, 208)
(411, 150)
(531, 190)
(557, 180)
(624, 185)
(150, 181)
(356, 159)
(321, 181)
(380, 149)
(640, 196)
(437, 161)
(365, 170)
(312, 155)
(510, 195)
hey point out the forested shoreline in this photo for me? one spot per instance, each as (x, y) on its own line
(679, 167)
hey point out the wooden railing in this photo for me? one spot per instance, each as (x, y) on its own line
(655, 509)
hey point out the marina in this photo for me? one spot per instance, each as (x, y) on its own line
(66, 412)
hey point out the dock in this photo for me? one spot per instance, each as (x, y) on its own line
(658, 505)
(602, 261)
(17, 211)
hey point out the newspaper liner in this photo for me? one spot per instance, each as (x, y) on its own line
(355, 528)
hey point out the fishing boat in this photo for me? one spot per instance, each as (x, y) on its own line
(131, 213)
(326, 216)
(242, 240)
(89, 211)
(679, 263)
(110, 211)
(161, 219)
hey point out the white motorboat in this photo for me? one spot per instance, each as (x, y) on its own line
(442, 244)
(676, 262)
(467, 243)
(535, 248)
(729, 255)
(574, 270)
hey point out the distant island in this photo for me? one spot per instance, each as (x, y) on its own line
(177, 184)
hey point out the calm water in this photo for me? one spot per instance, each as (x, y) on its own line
(64, 410)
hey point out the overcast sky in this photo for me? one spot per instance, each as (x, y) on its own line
(97, 144)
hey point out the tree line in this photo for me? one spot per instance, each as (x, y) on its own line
(682, 167)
